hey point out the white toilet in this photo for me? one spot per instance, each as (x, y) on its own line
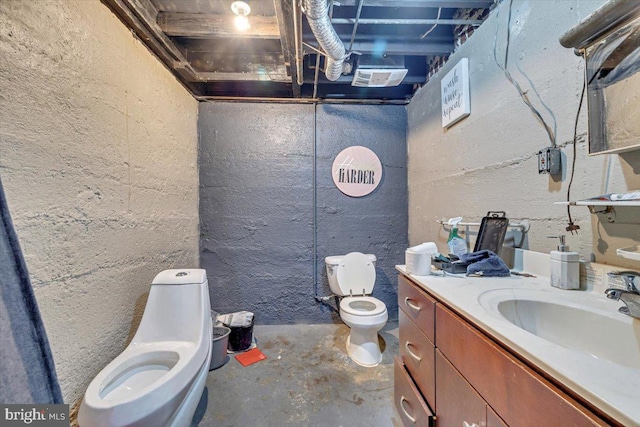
(353, 276)
(159, 378)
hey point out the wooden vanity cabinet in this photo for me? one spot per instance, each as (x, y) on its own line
(466, 378)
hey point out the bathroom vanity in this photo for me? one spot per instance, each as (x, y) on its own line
(462, 363)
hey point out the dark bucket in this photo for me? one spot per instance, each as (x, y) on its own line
(241, 337)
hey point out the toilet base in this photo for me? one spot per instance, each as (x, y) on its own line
(363, 348)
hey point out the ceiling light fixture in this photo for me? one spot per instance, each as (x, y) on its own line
(241, 10)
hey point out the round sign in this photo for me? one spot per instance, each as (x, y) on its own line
(356, 171)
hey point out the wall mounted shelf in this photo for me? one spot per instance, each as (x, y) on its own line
(632, 252)
(606, 207)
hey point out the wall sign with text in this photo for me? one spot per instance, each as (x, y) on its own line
(356, 171)
(454, 89)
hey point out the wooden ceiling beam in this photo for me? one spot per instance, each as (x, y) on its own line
(230, 45)
(200, 25)
(280, 77)
(139, 15)
(285, 16)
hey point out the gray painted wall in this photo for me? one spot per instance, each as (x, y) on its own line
(488, 160)
(98, 157)
(256, 204)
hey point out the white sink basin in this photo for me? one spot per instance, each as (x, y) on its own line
(574, 321)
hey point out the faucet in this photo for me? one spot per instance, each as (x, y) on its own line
(629, 296)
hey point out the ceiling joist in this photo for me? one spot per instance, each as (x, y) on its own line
(420, 3)
(213, 26)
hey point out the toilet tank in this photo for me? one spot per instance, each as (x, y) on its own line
(177, 307)
(331, 262)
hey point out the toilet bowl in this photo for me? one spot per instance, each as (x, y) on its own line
(353, 276)
(159, 378)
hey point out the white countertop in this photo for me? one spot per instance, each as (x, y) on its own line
(613, 388)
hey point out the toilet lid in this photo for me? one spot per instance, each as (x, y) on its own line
(356, 274)
(362, 306)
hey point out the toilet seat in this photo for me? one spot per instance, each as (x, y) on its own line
(362, 306)
(134, 380)
(356, 274)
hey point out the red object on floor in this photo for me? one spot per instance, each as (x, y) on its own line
(250, 357)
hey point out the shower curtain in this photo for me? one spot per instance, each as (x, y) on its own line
(27, 371)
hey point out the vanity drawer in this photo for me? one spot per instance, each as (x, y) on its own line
(417, 353)
(411, 407)
(518, 394)
(418, 306)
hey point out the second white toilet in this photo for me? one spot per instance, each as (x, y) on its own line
(159, 378)
(353, 276)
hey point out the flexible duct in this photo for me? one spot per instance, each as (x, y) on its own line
(317, 12)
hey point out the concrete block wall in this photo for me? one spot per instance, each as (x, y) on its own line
(256, 204)
(488, 160)
(98, 157)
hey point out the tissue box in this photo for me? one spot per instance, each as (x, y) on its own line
(418, 259)
(418, 263)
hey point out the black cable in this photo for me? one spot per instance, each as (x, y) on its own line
(574, 227)
(522, 94)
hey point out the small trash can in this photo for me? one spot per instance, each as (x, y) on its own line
(241, 337)
(219, 346)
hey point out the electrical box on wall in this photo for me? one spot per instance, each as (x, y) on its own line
(549, 161)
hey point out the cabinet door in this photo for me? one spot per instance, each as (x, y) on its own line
(458, 403)
(418, 306)
(518, 394)
(411, 407)
(417, 353)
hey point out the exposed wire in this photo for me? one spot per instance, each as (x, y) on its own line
(523, 95)
(574, 227)
(434, 25)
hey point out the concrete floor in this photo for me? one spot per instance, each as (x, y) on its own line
(306, 380)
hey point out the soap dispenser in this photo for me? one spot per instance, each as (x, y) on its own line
(565, 267)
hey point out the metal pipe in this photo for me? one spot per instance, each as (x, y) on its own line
(314, 181)
(297, 36)
(355, 25)
(315, 79)
(611, 15)
(382, 21)
(523, 226)
(314, 196)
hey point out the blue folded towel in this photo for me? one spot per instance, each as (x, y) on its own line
(485, 263)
